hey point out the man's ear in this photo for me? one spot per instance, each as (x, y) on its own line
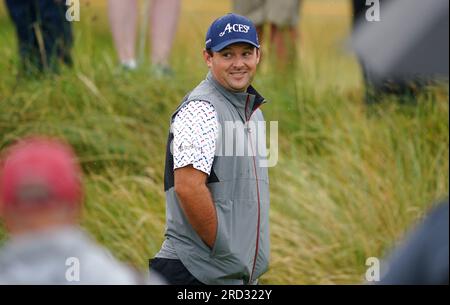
(208, 58)
(258, 55)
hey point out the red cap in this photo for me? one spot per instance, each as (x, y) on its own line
(39, 170)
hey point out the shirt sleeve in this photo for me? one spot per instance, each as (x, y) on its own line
(195, 129)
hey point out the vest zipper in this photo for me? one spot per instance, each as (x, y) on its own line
(257, 190)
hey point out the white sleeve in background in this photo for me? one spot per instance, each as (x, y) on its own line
(195, 130)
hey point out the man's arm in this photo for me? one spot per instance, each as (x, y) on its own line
(196, 202)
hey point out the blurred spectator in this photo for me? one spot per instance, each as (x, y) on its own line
(282, 16)
(44, 34)
(392, 28)
(423, 258)
(123, 16)
(40, 203)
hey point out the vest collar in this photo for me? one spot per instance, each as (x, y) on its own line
(244, 102)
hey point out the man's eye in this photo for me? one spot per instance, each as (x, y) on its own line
(227, 55)
(246, 54)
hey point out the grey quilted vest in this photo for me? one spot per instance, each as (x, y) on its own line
(240, 189)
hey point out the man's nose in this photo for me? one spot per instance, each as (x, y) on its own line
(238, 62)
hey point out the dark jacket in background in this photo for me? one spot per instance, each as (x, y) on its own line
(423, 258)
(44, 34)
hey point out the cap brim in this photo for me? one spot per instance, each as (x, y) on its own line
(232, 41)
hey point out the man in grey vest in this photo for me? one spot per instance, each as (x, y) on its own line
(216, 178)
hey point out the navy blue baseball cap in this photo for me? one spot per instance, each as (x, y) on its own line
(229, 29)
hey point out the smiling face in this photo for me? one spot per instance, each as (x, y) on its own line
(234, 66)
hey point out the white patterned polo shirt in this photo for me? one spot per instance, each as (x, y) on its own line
(195, 129)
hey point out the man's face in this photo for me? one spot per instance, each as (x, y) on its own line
(234, 66)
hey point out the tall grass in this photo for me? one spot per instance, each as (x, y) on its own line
(349, 182)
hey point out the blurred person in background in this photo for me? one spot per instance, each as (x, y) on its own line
(282, 18)
(123, 17)
(44, 35)
(372, 14)
(422, 259)
(399, 48)
(41, 198)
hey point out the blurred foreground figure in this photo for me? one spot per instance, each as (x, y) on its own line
(123, 17)
(401, 44)
(410, 43)
(423, 258)
(44, 34)
(40, 203)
